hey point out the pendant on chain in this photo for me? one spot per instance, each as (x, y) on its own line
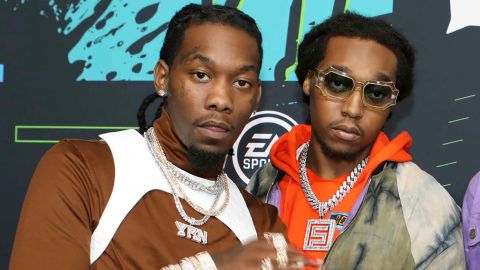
(319, 234)
(191, 233)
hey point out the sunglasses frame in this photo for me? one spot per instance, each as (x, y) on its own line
(320, 78)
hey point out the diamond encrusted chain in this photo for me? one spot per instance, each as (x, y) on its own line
(342, 191)
(214, 189)
(177, 191)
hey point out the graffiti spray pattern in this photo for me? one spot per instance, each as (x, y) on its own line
(124, 37)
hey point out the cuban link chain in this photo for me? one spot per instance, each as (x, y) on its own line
(342, 191)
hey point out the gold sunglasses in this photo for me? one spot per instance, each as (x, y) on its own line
(338, 86)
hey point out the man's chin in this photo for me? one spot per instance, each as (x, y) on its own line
(206, 158)
(338, 154)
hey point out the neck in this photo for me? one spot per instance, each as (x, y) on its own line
(176, 151)
(330, 168)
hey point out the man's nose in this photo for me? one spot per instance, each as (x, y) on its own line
(353, 106)
(220, 96)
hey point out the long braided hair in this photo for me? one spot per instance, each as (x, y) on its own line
(189, 15)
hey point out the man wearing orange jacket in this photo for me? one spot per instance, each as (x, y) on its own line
(347, 193)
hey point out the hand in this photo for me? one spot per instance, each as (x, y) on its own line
(261, 254)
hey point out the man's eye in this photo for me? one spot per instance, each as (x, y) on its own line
(201, 76)
(338, 83)
(242, 84)
(377, 92)
(338, 86)
(377, 95)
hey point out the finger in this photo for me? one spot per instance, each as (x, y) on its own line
(293, 251)
(266, 264)
(298, 259)
(286, 256)
(301, 262)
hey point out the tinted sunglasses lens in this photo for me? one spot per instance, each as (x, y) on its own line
(378, 95)
(338, 85)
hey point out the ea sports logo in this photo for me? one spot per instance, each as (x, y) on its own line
(252, 147)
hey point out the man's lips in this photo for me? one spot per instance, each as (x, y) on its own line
(217, 126)
(216, 129)
(347, 132)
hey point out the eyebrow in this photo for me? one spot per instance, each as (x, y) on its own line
(342, 68)
(379, 76)
(196, 56)
(207, 61)
(383, 77)
(193, 55)
(247, 68)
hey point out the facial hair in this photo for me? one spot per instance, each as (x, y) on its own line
(333, 154)
(205, 161)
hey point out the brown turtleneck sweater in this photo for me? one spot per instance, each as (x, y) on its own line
(174, 149)
(69, 191)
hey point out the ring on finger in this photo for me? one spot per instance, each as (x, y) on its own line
(280, 244)
(267, 264)
(282, 258)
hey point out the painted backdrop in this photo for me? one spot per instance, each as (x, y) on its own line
(78, 68)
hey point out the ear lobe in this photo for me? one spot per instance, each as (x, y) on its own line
(307, 84)
(161, 76)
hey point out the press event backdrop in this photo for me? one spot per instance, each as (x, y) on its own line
(78, 68)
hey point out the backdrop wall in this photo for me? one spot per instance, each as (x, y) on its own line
(78, 68)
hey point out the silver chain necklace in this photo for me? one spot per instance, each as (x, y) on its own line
(342, 191)
(214, 189)
(319, 233)
(166, 166)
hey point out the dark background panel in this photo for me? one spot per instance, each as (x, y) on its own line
(40, 88)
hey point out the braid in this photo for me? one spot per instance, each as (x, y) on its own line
(158, 113)
(142, 122)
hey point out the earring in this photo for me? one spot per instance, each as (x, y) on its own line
(161, 93)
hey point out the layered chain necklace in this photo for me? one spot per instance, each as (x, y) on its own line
(174, 176)
(213, 189)
(320, 232)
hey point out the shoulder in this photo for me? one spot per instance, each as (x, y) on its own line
(419, 191)
(64, 201)
(76, 156)
(79, 166)
(77, 151)
(418, 184)
(431, 215)
(472, 195)
(74, 153)
(84, 149)
(262, 180)
(471, 216)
